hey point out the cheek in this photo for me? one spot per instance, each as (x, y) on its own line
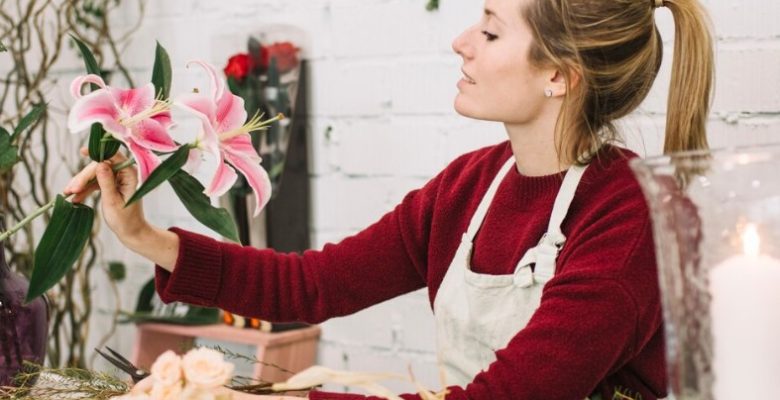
(517, 94)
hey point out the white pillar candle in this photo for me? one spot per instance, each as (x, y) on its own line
(745, 311)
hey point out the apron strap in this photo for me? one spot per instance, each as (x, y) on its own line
(544, 254)
(479, 215)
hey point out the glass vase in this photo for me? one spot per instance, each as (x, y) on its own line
(716, 225)
(23, 327)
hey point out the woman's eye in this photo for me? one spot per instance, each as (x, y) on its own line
(490, 37)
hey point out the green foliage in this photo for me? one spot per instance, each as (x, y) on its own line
(9, 154)
(161, 72)
(28, 120)
(190, 192)
(162, 173)
(117, 271)
(144, 311)
(432, 5)
(61, 245)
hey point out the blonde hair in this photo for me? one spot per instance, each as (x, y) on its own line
(615, 49)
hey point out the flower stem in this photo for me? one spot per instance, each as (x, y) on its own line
(5, 235)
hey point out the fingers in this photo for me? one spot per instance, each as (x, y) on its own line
(78, 182)
(107, 182)
(80, 196)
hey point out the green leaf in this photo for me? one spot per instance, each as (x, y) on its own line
(2, 48)
(9, 154)
(60, 246)
(162, 173)
(89, 60)
(190, 192)
(195, 316)
(28, 120)
(144, 304)
(161, 73)
(117, 271)
(101, 145)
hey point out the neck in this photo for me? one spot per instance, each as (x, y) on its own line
(533, 145)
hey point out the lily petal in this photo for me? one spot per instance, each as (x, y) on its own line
(248, 163)
(217, 84)
(203, 108)
(230, 112)
(198, 103)
(135, 100)
(224, 178)
(147, 161)
(80, 81)
(152, 135)
(164, 118)
(194, 160)
(97, 106)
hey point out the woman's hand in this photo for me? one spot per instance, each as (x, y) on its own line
(127, 223)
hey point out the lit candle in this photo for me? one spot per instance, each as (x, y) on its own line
(745, 311)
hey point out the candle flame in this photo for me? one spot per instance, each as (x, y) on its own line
(751, 241)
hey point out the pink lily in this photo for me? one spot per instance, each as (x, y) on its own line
(225, 135)
(132, 116)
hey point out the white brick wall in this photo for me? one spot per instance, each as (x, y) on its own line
(383, 81)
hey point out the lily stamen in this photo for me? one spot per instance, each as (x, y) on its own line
(256, 123)
(158, 107)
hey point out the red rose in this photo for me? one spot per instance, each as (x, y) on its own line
(238, 66)
(285, 53)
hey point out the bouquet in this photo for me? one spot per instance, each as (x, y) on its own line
(266, 78)
(139, 119)
(201, 373)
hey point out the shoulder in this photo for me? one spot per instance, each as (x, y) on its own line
(609, 183)
(609, 221)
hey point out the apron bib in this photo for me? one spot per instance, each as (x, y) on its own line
(477, 314)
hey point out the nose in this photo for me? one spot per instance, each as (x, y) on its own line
(461, 44)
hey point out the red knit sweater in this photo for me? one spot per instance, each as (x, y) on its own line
(599, 326)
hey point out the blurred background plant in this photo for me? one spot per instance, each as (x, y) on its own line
(34, 34)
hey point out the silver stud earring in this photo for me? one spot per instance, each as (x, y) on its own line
(548, 93)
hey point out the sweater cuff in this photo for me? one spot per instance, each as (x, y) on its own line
(197, 276)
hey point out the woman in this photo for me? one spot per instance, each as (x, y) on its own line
(537, 253)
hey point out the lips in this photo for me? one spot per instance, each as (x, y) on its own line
(467, 78)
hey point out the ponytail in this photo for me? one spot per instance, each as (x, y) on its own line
(690, 93)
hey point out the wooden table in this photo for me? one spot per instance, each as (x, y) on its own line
(293, 350)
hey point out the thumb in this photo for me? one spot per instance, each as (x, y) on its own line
(107, 183)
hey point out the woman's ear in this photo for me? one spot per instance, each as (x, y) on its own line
(557, 82)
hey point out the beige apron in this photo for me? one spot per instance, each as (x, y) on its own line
(477, 314)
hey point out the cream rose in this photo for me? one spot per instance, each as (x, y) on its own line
(162, 391)
(195, 393)
(166, 370)
(206, 369)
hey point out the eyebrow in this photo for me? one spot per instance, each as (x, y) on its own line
(490, 13)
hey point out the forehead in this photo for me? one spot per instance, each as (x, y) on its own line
(509, 11)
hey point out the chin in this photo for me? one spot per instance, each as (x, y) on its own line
(463, 108)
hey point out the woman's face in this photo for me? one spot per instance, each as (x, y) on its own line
(499, 83)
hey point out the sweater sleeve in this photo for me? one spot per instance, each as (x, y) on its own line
(596, 315)
(381, 262)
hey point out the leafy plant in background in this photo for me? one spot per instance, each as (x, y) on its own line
(33, 37)
(432, 5)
